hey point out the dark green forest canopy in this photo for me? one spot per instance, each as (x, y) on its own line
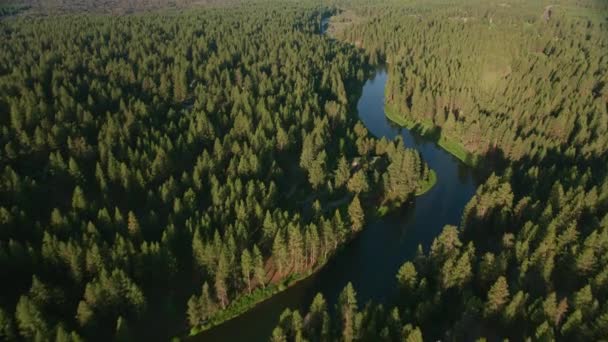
(115, 7)
(498, 77)
(160, 163)
(507, 79)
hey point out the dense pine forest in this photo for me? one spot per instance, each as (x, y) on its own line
(519, 82)
(496, 78)
(167, 165)
(165, 170)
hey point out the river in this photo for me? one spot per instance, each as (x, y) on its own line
(373, 258)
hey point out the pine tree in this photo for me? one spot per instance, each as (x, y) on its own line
(407, 276)
(342, 173)
(282, 139)
(414, 335)
(206, 304)
(279, 253)
(180, 83)
(269, 228)
(308, 153)
(194, 312)
(356, 214)
(295, 246)
(246, 268)
(30, 319)
(78, 199)
(316, 172)
(278, 335)
(347, 309)
(498, 296)
(358, 183)
(133, 225)
(258, 267)
(318, 327)
(221, 273)
(515, 308)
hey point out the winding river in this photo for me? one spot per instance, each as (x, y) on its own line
(373, 258)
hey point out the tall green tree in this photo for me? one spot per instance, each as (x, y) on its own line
(279, 253)
(246, 268)
(347, 310)
(356, 214)
(342, 173)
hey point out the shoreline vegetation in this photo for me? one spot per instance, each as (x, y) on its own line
(166, 173)
(522, 257)
(248, 302)
(429, 184)
(183, 187)
(338, 23)
(428, 130)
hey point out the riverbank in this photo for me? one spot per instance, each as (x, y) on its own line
(247, 302)
(374, 255)
(429, 184)
(428, 130)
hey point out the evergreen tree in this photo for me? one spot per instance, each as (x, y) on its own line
(246, 268)
(342, 173)
(258, 267)
(221, 273)
(356, 214)
(407, 276)
(279, 253)
(194, 312)
(133, 225)
(498, 296)
(206, 304)
(358, 183)
(78, 199)
(347, 309)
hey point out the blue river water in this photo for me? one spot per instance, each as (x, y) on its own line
(371, 260)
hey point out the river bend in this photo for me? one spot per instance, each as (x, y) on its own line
(373, 258)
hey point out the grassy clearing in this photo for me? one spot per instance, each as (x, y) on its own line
(338, 23)
(427, 129)
(428, 185)
(457, 150)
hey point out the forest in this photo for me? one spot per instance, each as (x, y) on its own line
(162, 171)
(496, 79)
(524, 87)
